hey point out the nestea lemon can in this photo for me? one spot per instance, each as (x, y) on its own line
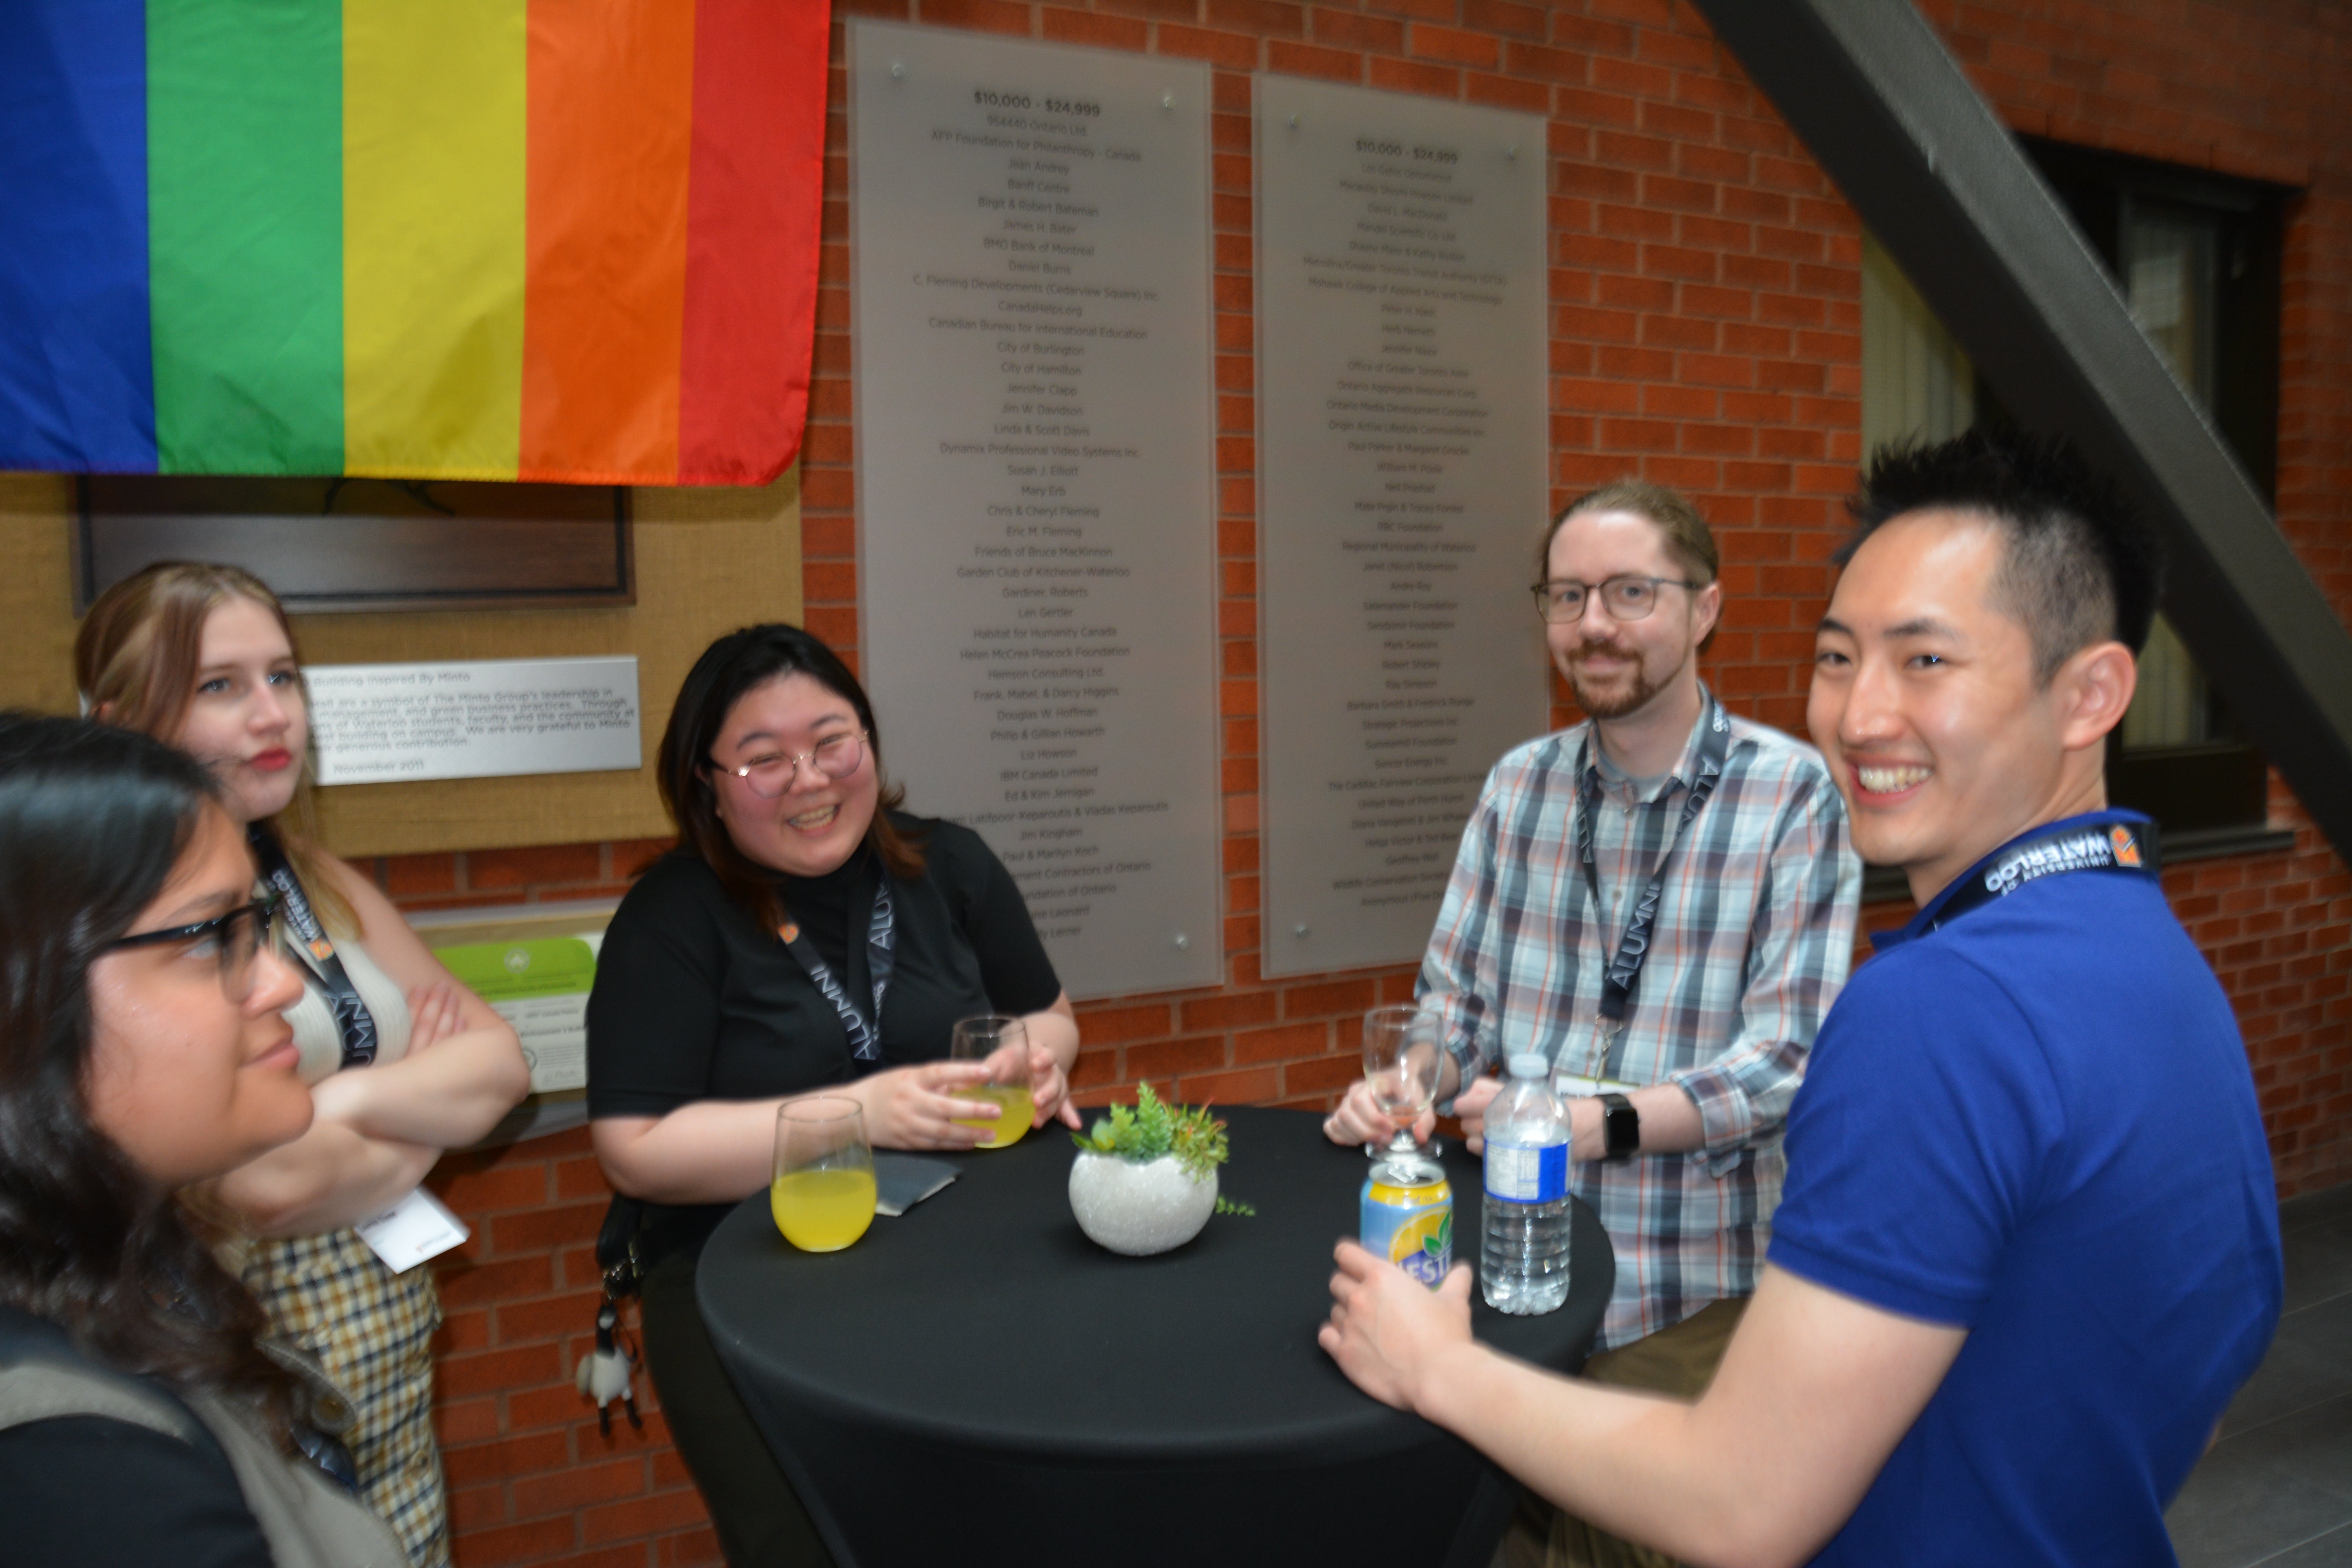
(1408, 1209)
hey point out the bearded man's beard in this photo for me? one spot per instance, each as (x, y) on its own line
(1618, 700)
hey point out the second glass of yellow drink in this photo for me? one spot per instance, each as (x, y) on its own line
(822, 1194)
(1004, 1044)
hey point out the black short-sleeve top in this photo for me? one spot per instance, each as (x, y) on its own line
(694, 1000)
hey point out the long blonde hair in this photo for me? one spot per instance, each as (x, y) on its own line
(136, 659)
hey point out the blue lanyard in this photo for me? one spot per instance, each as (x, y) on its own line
(2131, 848)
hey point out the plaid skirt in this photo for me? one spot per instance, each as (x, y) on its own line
(373, 1331)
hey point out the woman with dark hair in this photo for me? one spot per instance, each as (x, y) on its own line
(403, 1061)
(142, 1050)
(715, 1001)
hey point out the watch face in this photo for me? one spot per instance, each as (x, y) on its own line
(1623, 1127)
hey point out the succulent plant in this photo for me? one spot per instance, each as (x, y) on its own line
(1152, 1126)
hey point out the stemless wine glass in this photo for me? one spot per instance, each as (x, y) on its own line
(1004, 1044)
(823, 1195)
(1400, 1063)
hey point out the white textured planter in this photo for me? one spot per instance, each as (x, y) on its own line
(1140, 1207)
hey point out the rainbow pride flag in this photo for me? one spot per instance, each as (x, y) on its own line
(483, 239)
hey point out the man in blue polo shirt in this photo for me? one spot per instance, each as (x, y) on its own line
(2028, 1248)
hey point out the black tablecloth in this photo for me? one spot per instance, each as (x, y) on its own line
(977, 1382)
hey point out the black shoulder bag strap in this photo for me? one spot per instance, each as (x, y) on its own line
(881, 957)
(2132, 848)
(1624, 971)
(353, 1019)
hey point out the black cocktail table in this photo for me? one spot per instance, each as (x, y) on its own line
(976, 1382)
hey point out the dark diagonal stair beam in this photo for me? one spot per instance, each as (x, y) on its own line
(1888, 113)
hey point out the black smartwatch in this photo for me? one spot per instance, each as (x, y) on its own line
(1622, 1125)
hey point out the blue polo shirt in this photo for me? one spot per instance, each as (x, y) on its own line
(2037, 1123)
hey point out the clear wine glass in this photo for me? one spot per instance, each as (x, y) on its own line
(823, 1193)
(1401, 1064)
(1004, 1044)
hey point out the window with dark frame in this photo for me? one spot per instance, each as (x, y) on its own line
(2197, 256)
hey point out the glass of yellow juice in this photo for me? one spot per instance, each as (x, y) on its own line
(1004, 1044)
(823, 1195)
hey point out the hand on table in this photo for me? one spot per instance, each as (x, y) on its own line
(1050, 1088)
(916, 1107)
(1387, 1328)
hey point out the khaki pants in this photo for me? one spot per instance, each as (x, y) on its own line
(1680, 1361)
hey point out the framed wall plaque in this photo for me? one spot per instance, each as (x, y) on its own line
(1037, 572)
(343, 545)
(1402, 472)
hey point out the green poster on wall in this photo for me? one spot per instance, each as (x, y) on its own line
(541, 988)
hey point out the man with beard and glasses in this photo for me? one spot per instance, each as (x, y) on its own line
(1680, 1072)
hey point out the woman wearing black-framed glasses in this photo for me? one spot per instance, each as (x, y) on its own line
(142, 1051)
(234, 940)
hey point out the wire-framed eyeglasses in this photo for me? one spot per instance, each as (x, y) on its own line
(770, 774)
(1625, 598)
(236, 939)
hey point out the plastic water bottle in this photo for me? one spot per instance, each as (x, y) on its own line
(1524, 1264)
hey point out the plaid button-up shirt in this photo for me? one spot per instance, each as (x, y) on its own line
(1753, 939)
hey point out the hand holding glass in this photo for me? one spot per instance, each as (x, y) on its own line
(1004, 1044)
(823, 1195)
(1400, 1064)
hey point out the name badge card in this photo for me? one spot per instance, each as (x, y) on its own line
(418, 1228)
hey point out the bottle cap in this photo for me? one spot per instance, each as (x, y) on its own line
(1530, 1064)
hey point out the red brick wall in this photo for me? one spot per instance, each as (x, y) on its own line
(1705, 287)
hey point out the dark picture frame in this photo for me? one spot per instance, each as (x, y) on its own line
(337, 544)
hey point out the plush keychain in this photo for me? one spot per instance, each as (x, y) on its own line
(605, 1375)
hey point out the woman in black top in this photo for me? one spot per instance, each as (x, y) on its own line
(708, 1008)
(141, 1051)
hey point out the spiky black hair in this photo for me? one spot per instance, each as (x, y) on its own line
(2080, 568)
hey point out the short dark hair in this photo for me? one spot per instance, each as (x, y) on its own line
(736, 663)
(2080, 567)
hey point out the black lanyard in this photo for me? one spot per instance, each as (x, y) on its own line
(2101, 844)
(881, 955)
(1625, 969)
(353, 1022)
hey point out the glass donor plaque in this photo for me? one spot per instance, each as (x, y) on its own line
(1038, 526)
(1402, 443)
